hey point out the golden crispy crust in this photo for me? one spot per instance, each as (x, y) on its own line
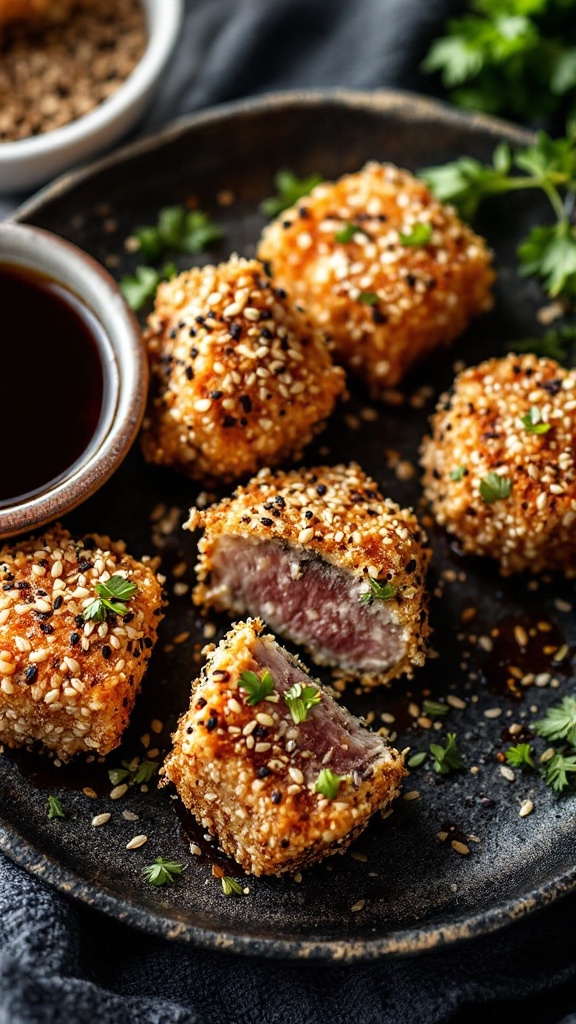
(478, 427)
(246, 774)
(33, 10)
(240, 380)
(383, 303)
(351, 526)
(65, 683)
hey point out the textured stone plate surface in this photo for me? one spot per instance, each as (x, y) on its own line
(415, 892)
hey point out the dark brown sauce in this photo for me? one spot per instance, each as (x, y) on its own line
(52, 381)
(193, 832)
(536, 657)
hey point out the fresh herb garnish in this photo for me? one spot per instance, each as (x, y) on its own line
(494, 487)
(141, 286)
(557, 343)
(134, 772)
(289, 190)
(446, 759)
(54, 808)
(533, 422)
(458, 473)
(162, 872)
(230, 886)
(559, 722)
(549, 251)
(434, 707)
(177, 230)
(300, 700)
(520, 756)
(417, 759)
(257, 688)
(378, 591)
(368, 298)
(419, 234)
(346, 234)
(511, 57)
(112, 597)
(328, 783)
(557, 770)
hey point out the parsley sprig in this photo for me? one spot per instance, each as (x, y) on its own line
(134, 772)
(520, 756)
(558, 771)
(494, 487)
(446, 759)
(162, 871)
(378, 591)
(559, 726)
(257, 688)
(549, 251)
(289, 189)
(300, 700)
(112, 597)
(141, 286)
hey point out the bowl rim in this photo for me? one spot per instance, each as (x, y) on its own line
(126, 378)
(163, 19)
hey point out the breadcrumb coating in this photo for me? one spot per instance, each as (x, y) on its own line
(239, 379)
(33, 10)
(249, 772)
(478, 429)
(324, 517)
(66, 683)
(384, 302)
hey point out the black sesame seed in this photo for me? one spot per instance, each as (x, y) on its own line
(265, 521)
(128, 617)
(308, 514)
(216, 395)
(31, 673)
(235, 331)
(246, 403)
(264, 772)
(23, 585)
(58, 602)
(276, 797)
(84, 565)
(79, 620)
(189, 373)
(46, 627)
(229, 421)
(74, 639)
(211, 724)
(106, 652)
(321, 490)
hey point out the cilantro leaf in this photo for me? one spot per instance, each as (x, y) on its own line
(533, 422)
(446, 759)
(458, 474)
(289, 190)
(346, 234)
(177, 230)
(300, 700)
(378, 591)
(134, 772)
(419, 234)
(162, 872)
(520, 756)
(257, 688)
(112, 597)
(54, 808)
(495, 487)
(550, 254)
(328, 783)
(138, 288)
(557, 770)
(559, 722)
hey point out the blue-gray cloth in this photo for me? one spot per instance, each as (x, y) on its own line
(61, 963)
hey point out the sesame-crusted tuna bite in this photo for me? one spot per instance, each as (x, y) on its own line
(240, 380)
(270, 764)
(78, 621)
(382, 267)
(327, 562)
(500, 465)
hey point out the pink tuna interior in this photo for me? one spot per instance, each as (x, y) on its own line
(331, 736)
(308, 600)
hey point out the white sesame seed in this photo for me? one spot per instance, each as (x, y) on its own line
(526, 808)
(136, 842)
(118, 791)
(101, 819)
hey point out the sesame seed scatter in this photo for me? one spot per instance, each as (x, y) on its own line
(58, 687)
(255, 785)
(310, 551)
(240, 380)
(345, 252)
(483, 431)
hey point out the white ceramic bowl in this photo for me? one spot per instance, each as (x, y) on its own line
(30, 162)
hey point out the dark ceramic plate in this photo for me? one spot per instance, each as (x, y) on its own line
(400, 888)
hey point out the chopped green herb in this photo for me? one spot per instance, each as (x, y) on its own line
(134, 772)
(137, 289)
(557, 770)
(54, 808)
(162, 872)
(328, 783)
(446, 759)
(378, 591)
(494, 487)
(230, 886)
(434, 707)
(112, 597)
(533, 422)
(178, 230)
(559, 722)
(346, 234)
(289, 190)
(458, 473)
(368, 298)
(417, 759)
(420, 234)
(301, 699)
(257, 688)
(520, 756)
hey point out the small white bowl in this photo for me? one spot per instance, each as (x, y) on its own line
(30, 162)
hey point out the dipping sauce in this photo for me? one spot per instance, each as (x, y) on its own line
(51, 381)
